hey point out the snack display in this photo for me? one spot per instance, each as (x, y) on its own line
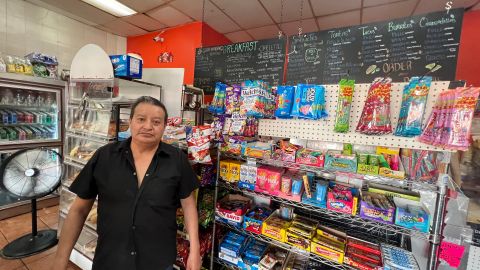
(80, 149)
(363, 255)
(275, 227)
(268, 179)
(329, 243)
(414, 101)
(339, 162)
(345, 95)
(43, 65)
(231, 209)
(375, 117)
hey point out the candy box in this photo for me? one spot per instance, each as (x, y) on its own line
(338, 162)
(261, 150)
(360, 264)
(291, 186)
(253, 220)
(126, 66)
(268, 179)
(310, 157)
(234, 171)
(275, 227)
(342, 201)
(393, 166)
(231, 208)
(377, 207)
(252, 255)
(249, 172)
(332, 248)
(366, 168)
(412, 215)
(227, 258)
(224, 169)
(298, 241)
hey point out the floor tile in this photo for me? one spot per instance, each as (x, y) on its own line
(51, 219)
(39, 256)
(15, 227)
(8, 264)
(44, 263)
(47, 211)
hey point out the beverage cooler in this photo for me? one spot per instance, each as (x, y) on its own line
(30, 117)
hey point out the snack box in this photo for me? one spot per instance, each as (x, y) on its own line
(298, 241)
(338, 162)
(412, 215)
(254, 219)
(300, 232)
(370, 209)
(386, 171)
(289, 190)
(310, 157)
(342, 201)
(234, 171)
(232, 216)
(275, 227)
(359, 264)
(367, 169)
(268, 179)
(224, 169)
(252, 255)
(260, 150)
(319, 194)
(364, 245)
(329, 247)
(227, 258)
(127, 66)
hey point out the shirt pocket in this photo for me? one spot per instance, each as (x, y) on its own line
(161, 191)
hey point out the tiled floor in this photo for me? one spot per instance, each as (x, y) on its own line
(12, 228)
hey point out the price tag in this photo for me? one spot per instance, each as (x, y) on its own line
(451, 253)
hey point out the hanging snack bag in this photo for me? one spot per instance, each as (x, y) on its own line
(345, 95)
(218, 103)
(198, 140)
(232, 100)
(284, 101)
(296, 102)
(252, 101)
(413, 107)
(320, 103)
(375, 118)
(306, 104)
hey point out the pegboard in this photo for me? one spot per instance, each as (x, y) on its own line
(322, 130)
(474, 258)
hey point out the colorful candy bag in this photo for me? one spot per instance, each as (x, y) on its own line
(450, 122)
(311, 101)
(253, 98)
(218, 127)
(232, 101)
(375, 118)
(218, 103)
(198, 140)
(414, 100)
(296, 102)
(345, 95)
(284, 101)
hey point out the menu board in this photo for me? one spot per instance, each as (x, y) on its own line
(399, 48)
(238, 62)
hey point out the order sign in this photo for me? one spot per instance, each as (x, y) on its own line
(451, 253)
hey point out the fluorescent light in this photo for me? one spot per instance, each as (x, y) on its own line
(112, 6)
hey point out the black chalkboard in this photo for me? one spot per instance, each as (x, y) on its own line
(400, 48)
(235, 63)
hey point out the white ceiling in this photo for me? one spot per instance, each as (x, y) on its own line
(247, 19)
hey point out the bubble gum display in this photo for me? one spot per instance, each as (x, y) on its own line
(375, 118)
(345, 95)
(232, 99)
(284, 101)
(414, 100)
(218, 103)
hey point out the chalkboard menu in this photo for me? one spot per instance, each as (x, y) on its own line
(235, 63)
(400, 48)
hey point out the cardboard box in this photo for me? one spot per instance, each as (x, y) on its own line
(376, 213)
(412, 215)
(250, 223)
(224, 169)
(127, 66)
(273, 230)
(367, 169)
(348, 206)
(329, 243)
(234, 218)
(298, 241)
(234, 171)
(326, 252)
(338, 162)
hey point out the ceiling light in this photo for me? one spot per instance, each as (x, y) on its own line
(112, 6)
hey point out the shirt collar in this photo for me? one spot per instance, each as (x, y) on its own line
(161, 150)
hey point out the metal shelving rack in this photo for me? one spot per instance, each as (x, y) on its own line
(322, 131)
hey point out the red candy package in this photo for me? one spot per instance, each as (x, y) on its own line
(198, 140)
(375, 119)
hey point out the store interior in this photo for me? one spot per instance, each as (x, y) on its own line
(324, 134)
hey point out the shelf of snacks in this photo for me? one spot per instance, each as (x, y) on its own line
(358, 220)
(80, 149)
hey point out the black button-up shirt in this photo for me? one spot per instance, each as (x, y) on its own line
(136, 225)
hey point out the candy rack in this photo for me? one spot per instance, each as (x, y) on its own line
(318, 131)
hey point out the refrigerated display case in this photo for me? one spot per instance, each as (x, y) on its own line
(31, 112)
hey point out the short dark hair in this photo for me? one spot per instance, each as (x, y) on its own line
(148, 100)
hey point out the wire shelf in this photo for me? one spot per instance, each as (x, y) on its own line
(348, 220)
(225, 264)
(400, 183)
(287, 247)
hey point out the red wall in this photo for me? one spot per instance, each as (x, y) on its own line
(181, 41)
(468, 65)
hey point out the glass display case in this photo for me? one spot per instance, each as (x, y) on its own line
(31, 112)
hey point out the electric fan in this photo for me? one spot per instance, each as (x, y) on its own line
(31, 174)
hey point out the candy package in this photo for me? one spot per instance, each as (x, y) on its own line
(252, 101)
(311, 101)
(414, 100)
(345, 95)
(284, 101)
(218, 103)
(232, 101)
(218, 126)
(375, 118)
(198, 140)
(449, 125)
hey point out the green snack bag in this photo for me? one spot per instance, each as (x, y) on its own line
(373, 160)
(345, 95)
(347, 148)
(383, 162)
(363, 159)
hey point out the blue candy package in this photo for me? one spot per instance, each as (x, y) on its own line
(311, 102)
(296, 102)
(320, 103)
(218, 103)
(284, 101)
